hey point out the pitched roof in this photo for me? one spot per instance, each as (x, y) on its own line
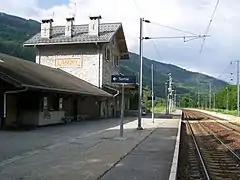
(36, 76)
(80, 35)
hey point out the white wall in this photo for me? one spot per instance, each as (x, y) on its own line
(88, 56)
(50, 117)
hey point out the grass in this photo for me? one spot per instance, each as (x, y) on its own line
(159, 109)
(224, 111)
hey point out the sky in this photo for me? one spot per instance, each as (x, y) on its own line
(190, 15)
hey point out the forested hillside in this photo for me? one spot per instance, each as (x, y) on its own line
(15, 30)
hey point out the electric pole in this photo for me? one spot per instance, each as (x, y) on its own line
(152, 96)
(140, 77)
(214, 101)
(166, 93)
(238, 88)
(175, 100)
(210, 95)
(227, 98)
(170, 94)
(198, 102)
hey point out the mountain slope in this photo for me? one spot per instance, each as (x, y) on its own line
(184, 81)
(15, 30)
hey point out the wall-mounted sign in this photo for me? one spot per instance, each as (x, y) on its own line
(60, 103)
(69, 62)
(45, 103)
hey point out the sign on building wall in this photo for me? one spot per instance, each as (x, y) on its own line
(69, 62)
(45, 103)
(60, 103)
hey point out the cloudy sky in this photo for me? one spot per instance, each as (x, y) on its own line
(191, 15)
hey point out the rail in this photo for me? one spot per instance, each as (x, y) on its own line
(219, 140)
(206, 174)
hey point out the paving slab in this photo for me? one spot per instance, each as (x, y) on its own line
(152, 159)
(93, 156)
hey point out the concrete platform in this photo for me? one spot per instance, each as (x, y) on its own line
(155, 158)
(148, 154)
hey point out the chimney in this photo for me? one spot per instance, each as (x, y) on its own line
(69, 27)
(94, 25)
(46, 28)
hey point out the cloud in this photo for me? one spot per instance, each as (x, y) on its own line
(219, 49)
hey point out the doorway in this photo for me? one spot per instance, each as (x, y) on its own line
(1, 109)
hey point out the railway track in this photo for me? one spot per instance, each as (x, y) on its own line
(211, 156)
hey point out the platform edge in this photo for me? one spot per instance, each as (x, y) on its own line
(173, 172)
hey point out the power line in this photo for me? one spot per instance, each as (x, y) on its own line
(177, 37)
(173, 28)
(210, 22)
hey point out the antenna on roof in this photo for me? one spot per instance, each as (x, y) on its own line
(75, 9)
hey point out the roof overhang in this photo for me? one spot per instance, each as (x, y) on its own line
(63, 43)
(64, 90)
(10, 80)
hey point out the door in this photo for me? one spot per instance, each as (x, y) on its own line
(1, 109)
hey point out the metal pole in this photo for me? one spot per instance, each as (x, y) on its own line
(170, 94)
(238, 87)
(175, 100)
(122, 112)
(166, 98)
(214, 101)
(227, 97)
(198, 102)
(210, 96)
(152, 97)
(140, 77)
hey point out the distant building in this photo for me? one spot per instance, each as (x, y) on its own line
(91, 52)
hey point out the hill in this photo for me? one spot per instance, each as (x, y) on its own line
(15, 30)
(184, 81)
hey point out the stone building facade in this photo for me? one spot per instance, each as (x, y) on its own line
(91, 52)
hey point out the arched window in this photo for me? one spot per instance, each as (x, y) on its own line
(107, 54)
(116, 61)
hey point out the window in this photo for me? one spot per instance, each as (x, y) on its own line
(107, 54)
(50, 103)
(116, 61)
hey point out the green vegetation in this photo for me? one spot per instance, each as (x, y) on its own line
(225, 111)
(185, 82)
(225, 100)
(14, 31)
(160, 109)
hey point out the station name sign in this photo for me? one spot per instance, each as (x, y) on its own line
(119, 79)
(69, 62)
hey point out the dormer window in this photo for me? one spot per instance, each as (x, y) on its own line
(107, 54)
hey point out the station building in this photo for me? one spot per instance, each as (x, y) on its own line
(71, 76)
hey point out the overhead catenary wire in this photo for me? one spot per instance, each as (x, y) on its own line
(173, 28)
(209, 25)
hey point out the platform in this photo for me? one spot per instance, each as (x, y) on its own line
(152, 159)
(151, 153)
